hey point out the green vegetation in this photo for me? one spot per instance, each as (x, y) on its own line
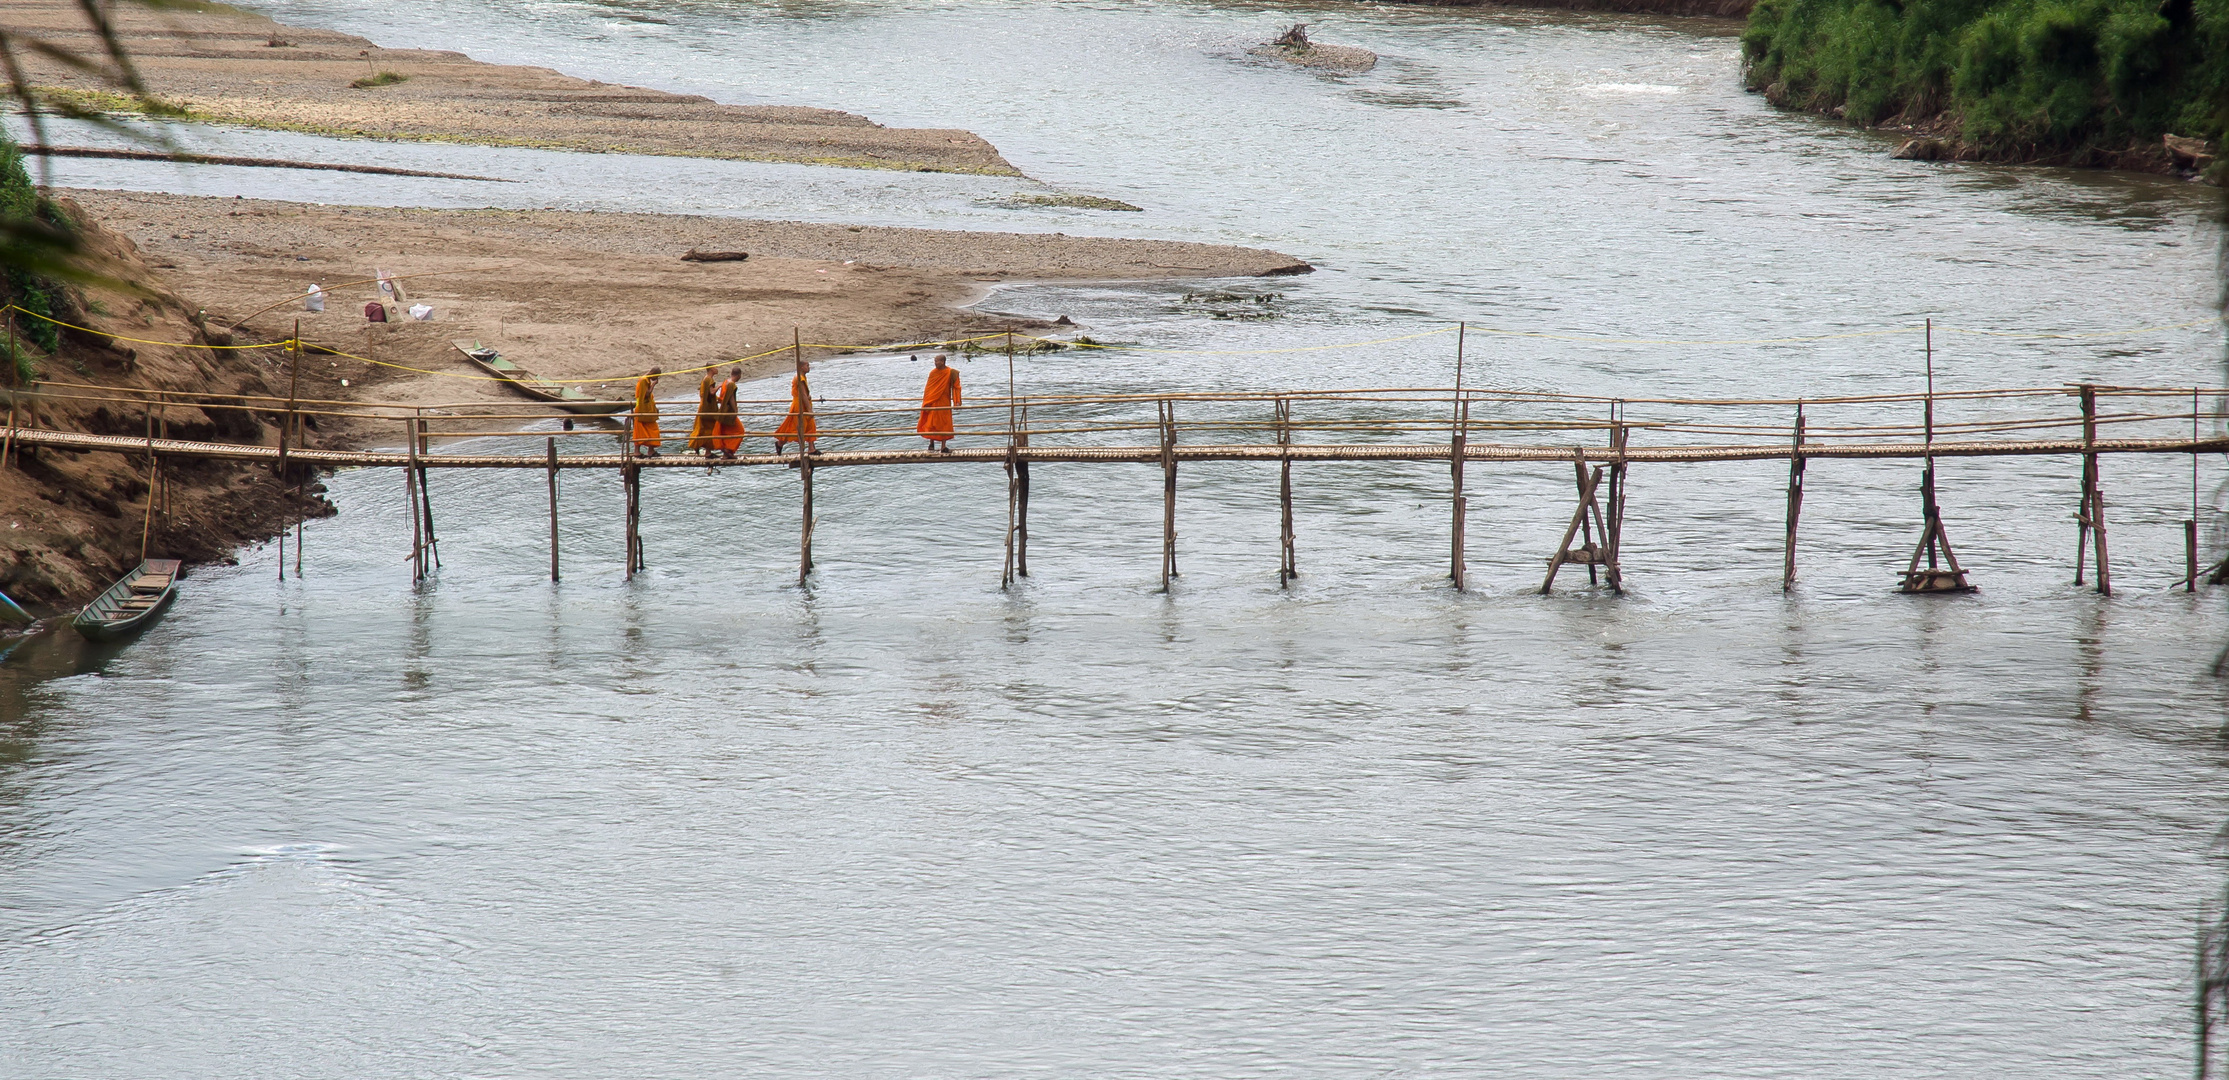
(2071, 80)
(71, 101)
(384, 78)
(22, 211)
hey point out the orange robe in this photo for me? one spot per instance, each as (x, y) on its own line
(646, 433)
(730, 423)
(941, 396)
(799, 425)
(700, 433)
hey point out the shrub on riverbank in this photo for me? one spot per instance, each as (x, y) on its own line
(21, 208)
(2079, 81)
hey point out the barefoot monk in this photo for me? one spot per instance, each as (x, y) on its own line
(938, 399)
(646, 433)
(730, 434)
(799, 426)
(703, 434)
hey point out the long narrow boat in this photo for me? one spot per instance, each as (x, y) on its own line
(568, 398)
(129, 605)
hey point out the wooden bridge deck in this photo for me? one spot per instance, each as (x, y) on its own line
(1138, 455)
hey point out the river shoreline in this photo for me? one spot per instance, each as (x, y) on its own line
(224, 65)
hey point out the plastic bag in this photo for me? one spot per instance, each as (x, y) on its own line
(315, 300)
(421, 312)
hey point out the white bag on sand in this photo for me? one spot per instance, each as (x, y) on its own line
(316, 299)
(421, 312)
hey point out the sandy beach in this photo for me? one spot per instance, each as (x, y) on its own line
(581, 295)
(230, 66)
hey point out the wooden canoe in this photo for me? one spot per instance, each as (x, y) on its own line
(568, 398)
(129, 605)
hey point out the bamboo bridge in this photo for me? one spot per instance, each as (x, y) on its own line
(1600, 438)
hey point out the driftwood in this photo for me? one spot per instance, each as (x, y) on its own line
(694, 255)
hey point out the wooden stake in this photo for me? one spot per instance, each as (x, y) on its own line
(627, 501)
(1934, 540)
(1286, 567)
(2190, 555)
(287, 422)
(1583, 522)
(425, 497)
(1168, 493)
(553, 506)
(1795, 505)
(1459, 503)
(1021, 521)
(805, 532)
(410, 493)
(1613, 524)
(2090, 517)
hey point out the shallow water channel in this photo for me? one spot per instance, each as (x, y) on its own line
(899, 822)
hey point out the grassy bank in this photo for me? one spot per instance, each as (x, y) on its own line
(2086, 82)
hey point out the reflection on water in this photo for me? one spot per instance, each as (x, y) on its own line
(900, 822)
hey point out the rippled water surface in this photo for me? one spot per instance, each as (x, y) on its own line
(901, 823)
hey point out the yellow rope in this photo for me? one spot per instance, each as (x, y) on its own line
(133, 340)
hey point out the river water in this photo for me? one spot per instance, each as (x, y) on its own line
(901, 823)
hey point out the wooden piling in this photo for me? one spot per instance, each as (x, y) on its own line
(287, 421)
(1584, 523)
(2089, 518)
(1168, 493)
(553, 506)
(410, 494)
(1795, 505)
(1287, 568)
(805, 531)
(2190, 555)
(1021, 517)
(425, 494)
(1613, 522)
(1943, 574)
(1459, 504)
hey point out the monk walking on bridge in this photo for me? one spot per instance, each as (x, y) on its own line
(704, 433)
(730, 434)
(938, 399)
(799, 426)
(646, 433)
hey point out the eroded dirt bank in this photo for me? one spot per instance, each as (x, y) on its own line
(73, 522)
(231, 66)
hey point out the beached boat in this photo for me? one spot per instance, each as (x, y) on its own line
(568, 398)
(130, 604)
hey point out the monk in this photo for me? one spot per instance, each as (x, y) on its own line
(702, 434)
(646, 433)
(729, 437)
(938, 399)
(799, 426)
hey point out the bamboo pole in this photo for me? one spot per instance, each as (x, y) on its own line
(1021, 522)
(2190, 526)
(1168, 493)
(1613, 523)
(1795, 505)
(154, 475)
(805, 530)
(553, 506)
(1286, 570)
(410, 493)
(1457, 570)
(425, 495)
(2090, 521)
(287, 422)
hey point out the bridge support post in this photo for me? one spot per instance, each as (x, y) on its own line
(1586, 522)
(1459, 506)
(2089, 518)
(553, 506)
(1795, 505)
(425, 495)
(1943, 574)
(1168, 493)
(410, 496)
(1287, 567)
(805, 531)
